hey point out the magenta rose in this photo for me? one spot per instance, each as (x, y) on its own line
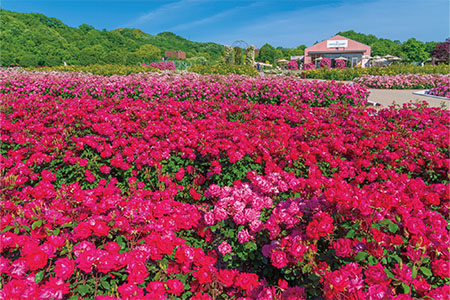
(64, 268)
(278, 259)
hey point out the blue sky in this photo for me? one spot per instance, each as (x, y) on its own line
(281, 23)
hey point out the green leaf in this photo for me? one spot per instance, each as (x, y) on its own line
(104, 282)
(372, 260)
(83, 289)
(350, 234)
(393, 227)
(425, 259)
(361, 255)
(405, 288)
(39, 276)
(7, 228)
(389, 273)
(427, 272)
(37, 223)
(414, 272)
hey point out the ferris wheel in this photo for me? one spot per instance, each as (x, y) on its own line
(240, 43)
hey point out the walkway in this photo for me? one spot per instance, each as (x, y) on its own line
(388, 97)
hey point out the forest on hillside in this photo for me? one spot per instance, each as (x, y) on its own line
(30, 39)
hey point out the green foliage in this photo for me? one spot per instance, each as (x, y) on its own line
(28, 60)
(414, 50)
(30, 39)
(106, 70)
(267, 53)
(148, 53)
(411, 50)
(223, 69)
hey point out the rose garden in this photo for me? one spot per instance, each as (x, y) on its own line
(187, 186)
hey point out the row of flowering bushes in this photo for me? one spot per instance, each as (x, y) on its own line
(351, 73)
(105, 70)
(169, 65)
(127, 188)
(264, 90)
(442, 89)
(224, 69)
(404, 81)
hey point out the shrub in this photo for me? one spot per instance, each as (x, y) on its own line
(223, 69)
(410, 81)
(339, 64)
(106, 70)
(325, 63)
(351, 73)
(293, 65)
(309, 66)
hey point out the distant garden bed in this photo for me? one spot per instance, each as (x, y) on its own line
(406, 81)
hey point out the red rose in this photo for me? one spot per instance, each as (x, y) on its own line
(376, 275)
(194, 194)
(226, 277)
(64, 268)
(86, 260)
(203, 275)
(138, 273)
(36, 259)
(247, 281)
(343, 247)
(175, 286)
(278, 258)
(338, 280)
(82, 230)
(441, 268)
(100, 228)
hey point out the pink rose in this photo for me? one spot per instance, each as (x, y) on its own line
(225, 248)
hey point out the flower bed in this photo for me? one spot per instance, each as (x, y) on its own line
(352, 73)
(145, 187)
(409, 81)
(442, 88)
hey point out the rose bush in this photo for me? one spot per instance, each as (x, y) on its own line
(442, 88)
(192, 187)
(409, 81)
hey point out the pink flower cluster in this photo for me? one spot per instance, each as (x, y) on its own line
(442, 88)
(309, 66)
(169, 65)
(404, 81)
(160, 186)
(339, 64)
(325, 63)
(293, 65)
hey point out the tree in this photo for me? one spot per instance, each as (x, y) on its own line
(441, 52)
(91, 55)
(267, 53)
(28, 60)
(148, 53)
(414, 50)
(131, 59)
(113, 57)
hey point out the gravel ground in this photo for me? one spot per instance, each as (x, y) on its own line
(388, 97)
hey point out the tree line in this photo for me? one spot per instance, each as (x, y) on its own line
(29, 39)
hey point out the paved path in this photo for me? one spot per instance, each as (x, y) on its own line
(388, 97)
